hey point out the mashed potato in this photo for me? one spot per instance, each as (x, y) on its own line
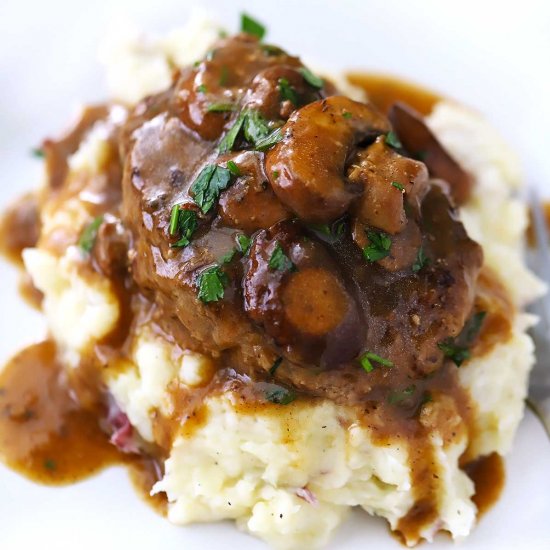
(291, 476)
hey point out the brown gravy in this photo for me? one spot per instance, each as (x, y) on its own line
(384, 90)
(488, 475)
(47, 437)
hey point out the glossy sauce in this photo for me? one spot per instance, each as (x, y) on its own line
(488, 475)
(47, 436)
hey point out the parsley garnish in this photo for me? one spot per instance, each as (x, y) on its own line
(279, 261)
(379, 246)
(220, 107)
(202, 88)
(392, 140)
(255, 129)
(251, 26)
(275, 366)
(457, 354)
(224, 76)
(233, 168)
(226, 258)
(334, 232)
(456, 349)
(37, 152)
(421, 260)
(288, 92)
(397, 185)
(88, 236)
(347, 114)
(368, 358)
(310, 78)
(50, 464)
(228, 141)
(398, 396)
(270, 140)
(183, 223)
(244, 243)
(270, 49)
(212, 282)
(280, 395)
(210, 182)
(275, 174)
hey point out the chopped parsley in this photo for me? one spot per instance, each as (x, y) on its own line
(392, 140)
(421, 260)
(89, 235)
(280, 395)
(312, 79)
(275, 366)
(255, 129)
(457, 354)
(228, 141)
(270, 140)
(183, 223)
(202, 88)
(275, 174)
(244, 242)
(210, 182)
(50, 464)
(251, 26)
(226, 258)
(379, 247)
(270, 49)
(233, 168)
(334, 231)
(398, 396)
(224, 76)
(220, 107)
(288, 92)
(367, 360)
(397, 185)
(347, 114)
(457, 349)
(279, 261)
(37, 152)
(212, 282)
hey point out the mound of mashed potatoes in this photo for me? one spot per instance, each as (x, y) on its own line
(288, 474)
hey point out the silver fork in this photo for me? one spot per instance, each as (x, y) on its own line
(538, 259)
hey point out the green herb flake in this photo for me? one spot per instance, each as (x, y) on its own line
(220, 108)
(473, 326)
(210, 182)
(270, 49)
(458, 354)
(244, 242)
(280, 395)
(369, 358)
(50, 464)
(279, 261)
(288, 92)
(275, 366)
(37, 153)
(224, 76)
(421, 260)
(228, 141)
(275, 174)
(226, 258)
(251, 26)
(379, 247)
(255, 126)
(212, 282)
(398, 396)
(183, 223)
(269, 141)
(392, 140)
(202, 89)
(233, 168)
(347, 114)
(397, 185)
(312, 79)
(334, 231)
(89, 235)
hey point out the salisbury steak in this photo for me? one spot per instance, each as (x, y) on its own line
(289, 231)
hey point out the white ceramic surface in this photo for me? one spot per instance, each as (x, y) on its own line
(492, 55)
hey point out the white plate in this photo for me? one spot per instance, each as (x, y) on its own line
(487, 54)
